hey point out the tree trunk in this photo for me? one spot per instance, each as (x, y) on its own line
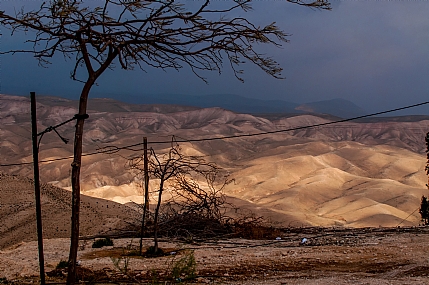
(75, 182)
(77, 154)
(146, 193)
(155, 220)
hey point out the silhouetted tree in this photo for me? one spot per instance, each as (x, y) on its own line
(143, 33)
(424, 210)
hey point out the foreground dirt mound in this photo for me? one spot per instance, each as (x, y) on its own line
(18, 212)
(329, 256)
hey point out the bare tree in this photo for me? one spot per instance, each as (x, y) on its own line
(143, 33)
(183, 178)
(198, 206)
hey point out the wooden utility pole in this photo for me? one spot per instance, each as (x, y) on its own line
(37, 187)
(146, 175)
(146, 192)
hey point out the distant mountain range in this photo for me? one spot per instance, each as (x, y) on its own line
(239, 104)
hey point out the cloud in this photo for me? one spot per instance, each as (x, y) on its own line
(372, 52)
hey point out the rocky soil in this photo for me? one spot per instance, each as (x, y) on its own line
(329, 256)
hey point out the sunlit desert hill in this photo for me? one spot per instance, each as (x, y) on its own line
(18, 216)
(352, 174)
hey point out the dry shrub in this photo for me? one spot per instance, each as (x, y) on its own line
(195, 206)
(192, 227)
(255, 231)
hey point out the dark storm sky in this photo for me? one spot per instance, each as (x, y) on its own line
(374, 53)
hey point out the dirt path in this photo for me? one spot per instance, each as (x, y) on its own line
(364, 256)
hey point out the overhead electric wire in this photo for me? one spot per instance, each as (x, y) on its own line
(299, 128)
(114, 149)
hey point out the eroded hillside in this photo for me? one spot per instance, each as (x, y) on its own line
(347, 174)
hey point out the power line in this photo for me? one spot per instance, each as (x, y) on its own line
(60, 158)
(303, 127)
(407, 217)
(114, 149)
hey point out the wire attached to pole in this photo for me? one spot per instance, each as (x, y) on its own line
(54, 128)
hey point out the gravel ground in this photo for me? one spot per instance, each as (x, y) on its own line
(365, 256)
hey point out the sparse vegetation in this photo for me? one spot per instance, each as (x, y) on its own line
(185, 267)
(154, 251)
(154, 274)
(121, 263)
(99, 243)
(62, 265)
